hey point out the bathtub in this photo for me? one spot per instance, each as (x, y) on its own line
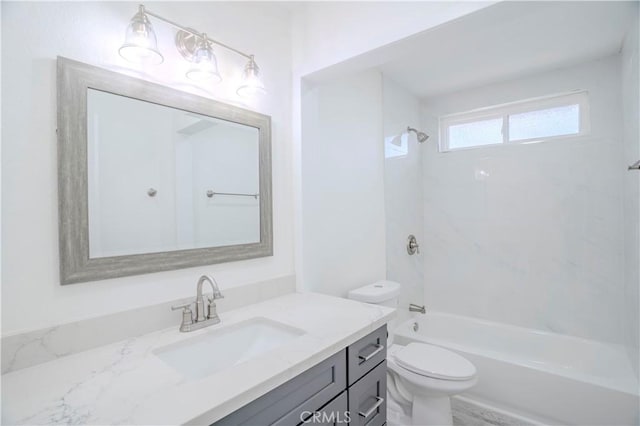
(545, 377)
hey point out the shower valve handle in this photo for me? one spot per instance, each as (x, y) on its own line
(412, 245)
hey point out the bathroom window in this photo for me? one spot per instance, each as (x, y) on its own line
(526, 121)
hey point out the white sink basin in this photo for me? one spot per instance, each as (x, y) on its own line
(224, 347)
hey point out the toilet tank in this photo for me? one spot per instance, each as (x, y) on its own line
(384, 293)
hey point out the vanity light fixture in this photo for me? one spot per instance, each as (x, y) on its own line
(140, 43)
(251, 81)
(141, 46)
(205, 64)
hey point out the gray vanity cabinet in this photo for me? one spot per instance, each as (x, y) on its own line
(289, 403)
(368, 398)
(349, 387)
(367, 378)
(366, 353)
(333, 414)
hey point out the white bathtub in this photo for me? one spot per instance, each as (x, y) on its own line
(547, 377)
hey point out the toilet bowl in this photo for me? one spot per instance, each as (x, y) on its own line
(420, 377)
(424, 377)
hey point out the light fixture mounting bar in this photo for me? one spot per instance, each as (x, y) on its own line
(192, 32)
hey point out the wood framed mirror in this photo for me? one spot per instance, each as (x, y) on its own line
(153, 179)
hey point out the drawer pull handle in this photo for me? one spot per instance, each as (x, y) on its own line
(363, 359)
(370, 411)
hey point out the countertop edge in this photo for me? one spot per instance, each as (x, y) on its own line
(219, 412)
(127, 383)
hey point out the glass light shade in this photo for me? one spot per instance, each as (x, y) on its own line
(251, 81)
(140, 43)
(205, 65)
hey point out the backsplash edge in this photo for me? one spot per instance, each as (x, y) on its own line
(35, 347)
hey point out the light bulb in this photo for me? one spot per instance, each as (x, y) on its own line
(251, 82)
(140, 43)
(205, 64)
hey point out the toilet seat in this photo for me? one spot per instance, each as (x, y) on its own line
(432, 361)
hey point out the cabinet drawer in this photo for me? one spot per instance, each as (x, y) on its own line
(368, 398)
(285, 404)
(366, 353)
(334, 413)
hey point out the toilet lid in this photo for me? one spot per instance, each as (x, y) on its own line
(432, 361)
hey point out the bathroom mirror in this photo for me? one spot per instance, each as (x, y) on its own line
(153, 179)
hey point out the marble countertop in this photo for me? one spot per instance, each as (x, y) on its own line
(125, 383)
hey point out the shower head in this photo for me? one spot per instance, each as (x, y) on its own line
(420, 135)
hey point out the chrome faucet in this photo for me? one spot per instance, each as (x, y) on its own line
(417, 308)
(189, 323)
(211, 308)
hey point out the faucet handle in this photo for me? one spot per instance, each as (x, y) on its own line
(212, 313)
(412, 245)
(185, 306)
(187, 316)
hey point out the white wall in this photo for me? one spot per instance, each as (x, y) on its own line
(230, 165)
(92, 32)
(531, 235)
(332, 32)
(631, 137)
(343, 184)
(1, 179)
(326, 33)
(403, 192)
(134, 146)
(129, 150)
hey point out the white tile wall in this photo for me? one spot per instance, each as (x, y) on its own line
(630, 109)
(530, 235)
(403, 193)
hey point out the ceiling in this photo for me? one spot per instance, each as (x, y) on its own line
(505, 41)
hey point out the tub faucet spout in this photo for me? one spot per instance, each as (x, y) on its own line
(417, 308)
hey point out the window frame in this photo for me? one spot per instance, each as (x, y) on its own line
(503, 111)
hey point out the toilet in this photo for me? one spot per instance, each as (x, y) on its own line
(421, 377)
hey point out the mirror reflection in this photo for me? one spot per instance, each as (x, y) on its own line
(163, 179)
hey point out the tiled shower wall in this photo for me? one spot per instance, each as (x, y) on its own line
(631, 137)
(403, 192)
(531, 234)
